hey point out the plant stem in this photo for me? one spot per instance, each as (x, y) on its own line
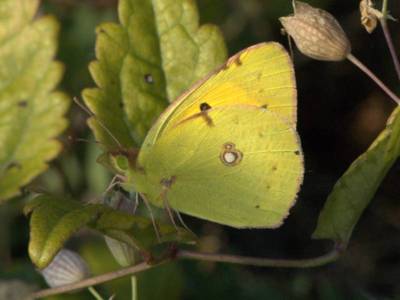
(384, 8)
(388, 37)
(184, 254)
(95, 294)
(367, 71)
(134, 287)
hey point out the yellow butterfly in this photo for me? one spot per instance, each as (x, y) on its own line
(227, 150)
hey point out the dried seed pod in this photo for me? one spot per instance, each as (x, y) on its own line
(316, 33)
(369, 15)
(67, 267)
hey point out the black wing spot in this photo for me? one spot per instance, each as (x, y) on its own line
(22, 103)
(257, 206)
(148, 78)
(205, 106)
(297, 152)
(274, 168)
(264, 106)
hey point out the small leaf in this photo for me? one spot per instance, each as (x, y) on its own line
(55, 220)
(52, 223)
(31, 112)
(156, 52)
(357, 186)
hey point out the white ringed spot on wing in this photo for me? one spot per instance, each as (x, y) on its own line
(230, 156)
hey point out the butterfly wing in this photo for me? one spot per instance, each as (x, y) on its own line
(261, 75)
(244, 170)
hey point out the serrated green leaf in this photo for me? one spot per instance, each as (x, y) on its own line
(357, 186)
(156, 52)
(55, 220)
(31, 112)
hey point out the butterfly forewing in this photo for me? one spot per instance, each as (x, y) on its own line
(261, 75)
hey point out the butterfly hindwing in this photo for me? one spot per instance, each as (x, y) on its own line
(243, 169)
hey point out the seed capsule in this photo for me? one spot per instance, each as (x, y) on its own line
(316, 33)
(67, 267)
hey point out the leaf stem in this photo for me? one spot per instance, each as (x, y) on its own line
(95, 294)
(184, 254)
(368, 72)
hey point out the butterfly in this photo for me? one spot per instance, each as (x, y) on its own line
(227, 150)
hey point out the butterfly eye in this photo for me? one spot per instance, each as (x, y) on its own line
(230, 156)
(148, 78)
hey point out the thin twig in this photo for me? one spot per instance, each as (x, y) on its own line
(184, 254)
(95, 280)
(368, 72)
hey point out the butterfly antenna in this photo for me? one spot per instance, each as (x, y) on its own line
(84, 140)
(91, 114)
(294, 6)
(168, 208)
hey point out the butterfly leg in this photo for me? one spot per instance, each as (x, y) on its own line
(171, 212)
(153, 220)
(115, 181)
(182, 222)
(167, 207)
(136, 203)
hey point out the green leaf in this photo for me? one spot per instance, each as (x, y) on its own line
(55, 220)
(156, 52)
(31, 112)
(357, 186)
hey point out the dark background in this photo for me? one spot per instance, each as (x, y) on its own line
(340, 113)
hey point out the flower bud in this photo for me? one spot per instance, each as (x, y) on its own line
(122, 252)
(67, 267)
(316, 33)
